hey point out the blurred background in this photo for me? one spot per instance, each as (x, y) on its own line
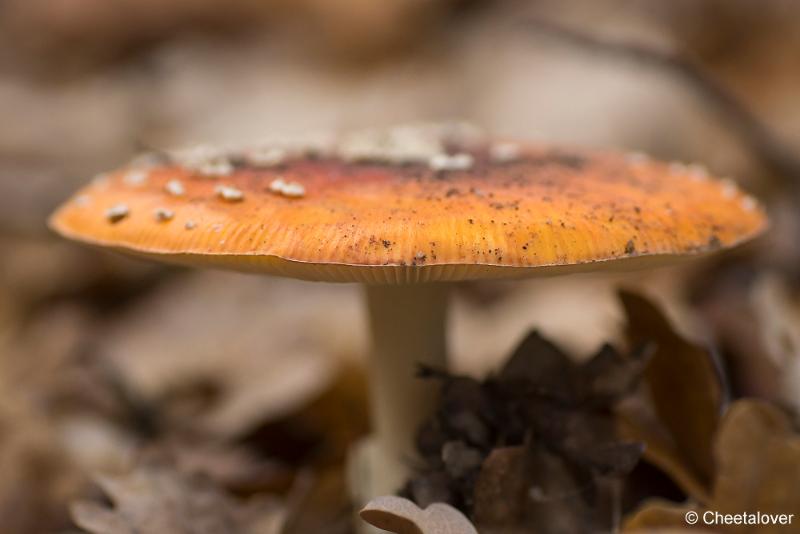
(255, 381)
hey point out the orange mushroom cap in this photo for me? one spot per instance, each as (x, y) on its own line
(471, 210)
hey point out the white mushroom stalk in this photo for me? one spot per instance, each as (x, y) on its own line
(408, 327)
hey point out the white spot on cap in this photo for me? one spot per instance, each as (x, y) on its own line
(190, 225)
(446, 162)
(220, 167)
(117, 212)
(729, 188)
(175, 188)
(504, 152)
(275, 150)
(164, 214)
(404, 144)
(136, 178)
(294, 190)
(277, 185)
(287, 189)
(266, 157)
(749, 203)
(678, 168)
(101, 180)
(228, 193)
(697, 172)
(205, 160)
(82, 200)
(148, 160)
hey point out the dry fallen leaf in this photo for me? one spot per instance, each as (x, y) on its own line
(402, 516)
(527, 448)
(776, 310)
(501, 488)
(562, 497)
(755, 318)
(662, 517)
(37, 476)
(232, 466)
(319, 433)
(267, 346)
(686, 396)
(757, 456)
(39, 472)
(156, 499)
(319, 503)
(636, 421)
(758, 461)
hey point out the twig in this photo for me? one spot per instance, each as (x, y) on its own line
(764, 144)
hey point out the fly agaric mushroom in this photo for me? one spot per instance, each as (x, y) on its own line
(405, 213)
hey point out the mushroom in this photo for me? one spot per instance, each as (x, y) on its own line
(440, 207)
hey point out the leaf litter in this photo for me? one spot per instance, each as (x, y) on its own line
(545, 444)
(532, 444)
(537, 437)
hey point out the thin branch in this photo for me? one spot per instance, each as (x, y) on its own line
(759, 138)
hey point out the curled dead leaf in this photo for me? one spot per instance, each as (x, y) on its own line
(757, 456)
(402, 516)
(758, 461)
(637, 422)
(686, 398)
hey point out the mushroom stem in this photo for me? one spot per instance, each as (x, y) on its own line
(408, 328)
